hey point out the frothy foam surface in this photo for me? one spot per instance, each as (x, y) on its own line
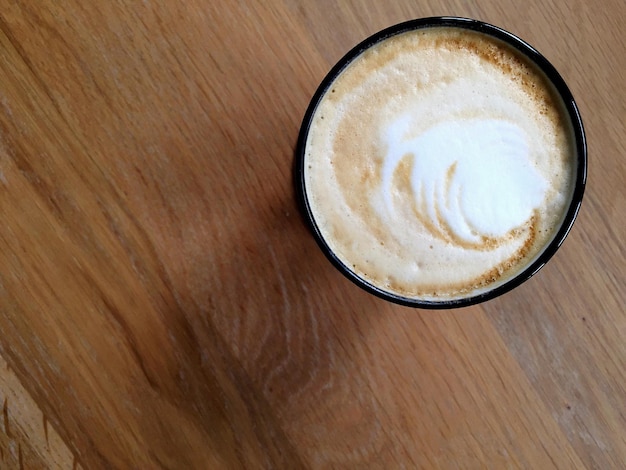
(458, 167)
(439, 164)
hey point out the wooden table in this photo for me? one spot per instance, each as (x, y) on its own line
(162, 304)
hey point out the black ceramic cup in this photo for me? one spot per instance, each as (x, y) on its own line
(571, 207)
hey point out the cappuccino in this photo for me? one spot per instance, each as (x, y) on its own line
(438, 164)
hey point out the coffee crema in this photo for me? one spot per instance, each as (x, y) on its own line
(439, 163)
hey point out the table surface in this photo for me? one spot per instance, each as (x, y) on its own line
(163, 305)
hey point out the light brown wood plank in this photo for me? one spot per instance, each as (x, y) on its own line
(163, 304)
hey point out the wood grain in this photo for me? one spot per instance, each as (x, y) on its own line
(164, 305)
(28, 439)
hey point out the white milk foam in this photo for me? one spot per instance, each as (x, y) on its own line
(438, 164)
(458, 167)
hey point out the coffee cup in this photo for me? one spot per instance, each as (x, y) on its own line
(441, 162)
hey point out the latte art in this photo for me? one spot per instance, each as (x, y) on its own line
(472, 181)
(438, 164)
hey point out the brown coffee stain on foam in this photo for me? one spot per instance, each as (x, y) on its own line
(450, 172)
(402, 176)
(402, 182)
(485, 243)
(443, 230)
(509, 265)
(491, 276)
(361, 67)
(434, 228)
(357, 165)
(510, 61)
(369, 176)
(440, 229)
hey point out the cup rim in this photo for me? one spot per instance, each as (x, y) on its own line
(580, 147)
